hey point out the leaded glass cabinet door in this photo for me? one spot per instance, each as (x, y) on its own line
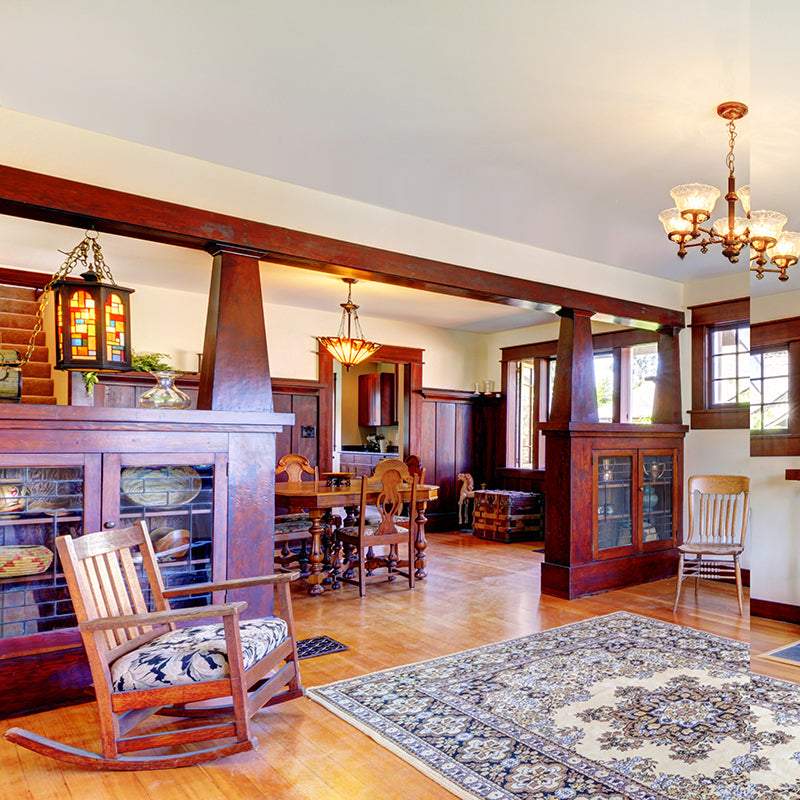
(183, 499)
(41, 497)
(613, 506)
(658, 498)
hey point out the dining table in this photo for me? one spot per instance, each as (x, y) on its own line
(317, 499)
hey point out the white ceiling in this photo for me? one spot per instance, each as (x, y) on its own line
(560, 125)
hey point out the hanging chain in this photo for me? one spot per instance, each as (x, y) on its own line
(78, 255)
(730, 159)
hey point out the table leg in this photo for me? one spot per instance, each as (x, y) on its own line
(420, 542)
(316, 576)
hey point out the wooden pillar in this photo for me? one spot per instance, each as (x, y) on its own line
(235, 370)
(235, 377)
(667, 407)
(574, 393)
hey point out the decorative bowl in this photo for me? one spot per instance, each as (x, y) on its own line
(12, 497)
(160, 487)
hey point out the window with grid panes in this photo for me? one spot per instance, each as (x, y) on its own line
(729, 365)
(769, 397)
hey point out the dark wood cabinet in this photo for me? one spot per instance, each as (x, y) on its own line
(67, 470)
(613, 499)
(377, 399)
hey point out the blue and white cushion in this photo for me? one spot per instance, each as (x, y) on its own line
(192, 655)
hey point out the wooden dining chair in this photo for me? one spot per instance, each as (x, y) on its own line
(214, 676)
(718, 516)
(360, 561)
(292, 531)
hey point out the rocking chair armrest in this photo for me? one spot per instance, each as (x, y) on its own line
(163, 617)
(233, 583)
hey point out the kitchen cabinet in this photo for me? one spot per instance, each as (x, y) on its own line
(377, 399)
(359, 462)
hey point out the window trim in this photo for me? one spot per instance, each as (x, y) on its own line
(765, 335)
(704, 415)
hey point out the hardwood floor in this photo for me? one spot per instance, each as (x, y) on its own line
(477, 592)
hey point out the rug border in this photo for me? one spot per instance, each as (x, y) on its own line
(421, 766)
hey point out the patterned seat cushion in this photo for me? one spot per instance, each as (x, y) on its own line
(293, 523)
(192, 655)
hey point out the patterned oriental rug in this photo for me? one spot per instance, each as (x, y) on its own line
(619, 707)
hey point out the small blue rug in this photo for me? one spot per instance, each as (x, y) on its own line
(789, 653)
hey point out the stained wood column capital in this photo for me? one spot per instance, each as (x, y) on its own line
(235, 371)
(574, 393)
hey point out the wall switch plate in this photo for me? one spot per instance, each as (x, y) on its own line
(308, 431)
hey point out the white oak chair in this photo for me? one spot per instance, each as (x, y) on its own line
(215, 676)
(718, 516)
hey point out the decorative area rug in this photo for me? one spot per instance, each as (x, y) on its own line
(787, 654)
(619, 707)
(318, 646)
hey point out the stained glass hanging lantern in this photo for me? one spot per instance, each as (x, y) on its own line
(92, 313)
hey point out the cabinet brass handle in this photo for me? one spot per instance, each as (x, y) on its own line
(109, 525)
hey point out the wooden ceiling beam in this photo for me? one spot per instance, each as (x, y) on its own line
(61, 201)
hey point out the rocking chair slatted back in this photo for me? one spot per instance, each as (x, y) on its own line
(109, 586)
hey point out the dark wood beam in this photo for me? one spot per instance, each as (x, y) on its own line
(574, 392)
(65, 202)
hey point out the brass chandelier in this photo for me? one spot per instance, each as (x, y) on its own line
(349, 347)
(771, 248)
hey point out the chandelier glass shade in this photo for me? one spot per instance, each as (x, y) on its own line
(349, 347)
(771, 248)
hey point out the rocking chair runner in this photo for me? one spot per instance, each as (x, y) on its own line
(142, 665)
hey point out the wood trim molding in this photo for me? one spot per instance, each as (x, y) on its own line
(737, 310)
(775, 332)
(781, 612)
(448, 395)
(24, 278)
(57, 200)
(600, 341)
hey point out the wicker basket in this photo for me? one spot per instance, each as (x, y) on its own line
(24, 560)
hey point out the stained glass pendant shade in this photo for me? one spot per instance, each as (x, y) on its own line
(349, 347)
(92, 316)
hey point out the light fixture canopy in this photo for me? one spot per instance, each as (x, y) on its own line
(92, 314)
(349, 347)
(772, 249)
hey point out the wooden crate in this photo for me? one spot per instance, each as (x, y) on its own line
(506, 516)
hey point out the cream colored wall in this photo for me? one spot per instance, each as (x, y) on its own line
(173, 322)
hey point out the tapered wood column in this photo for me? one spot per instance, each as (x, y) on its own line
(574, 393)
(235, 377)
(667, 406)
(235, 370)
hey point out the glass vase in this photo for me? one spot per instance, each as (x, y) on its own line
(165, 394)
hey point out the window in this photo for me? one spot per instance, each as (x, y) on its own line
(775, 388)
(769, 401)
(720, 365)
(644, 368)
(729, 373)
(625, 367)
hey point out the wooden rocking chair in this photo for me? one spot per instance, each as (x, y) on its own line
(142, 664)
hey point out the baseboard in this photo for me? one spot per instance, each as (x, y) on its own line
(781, 612)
